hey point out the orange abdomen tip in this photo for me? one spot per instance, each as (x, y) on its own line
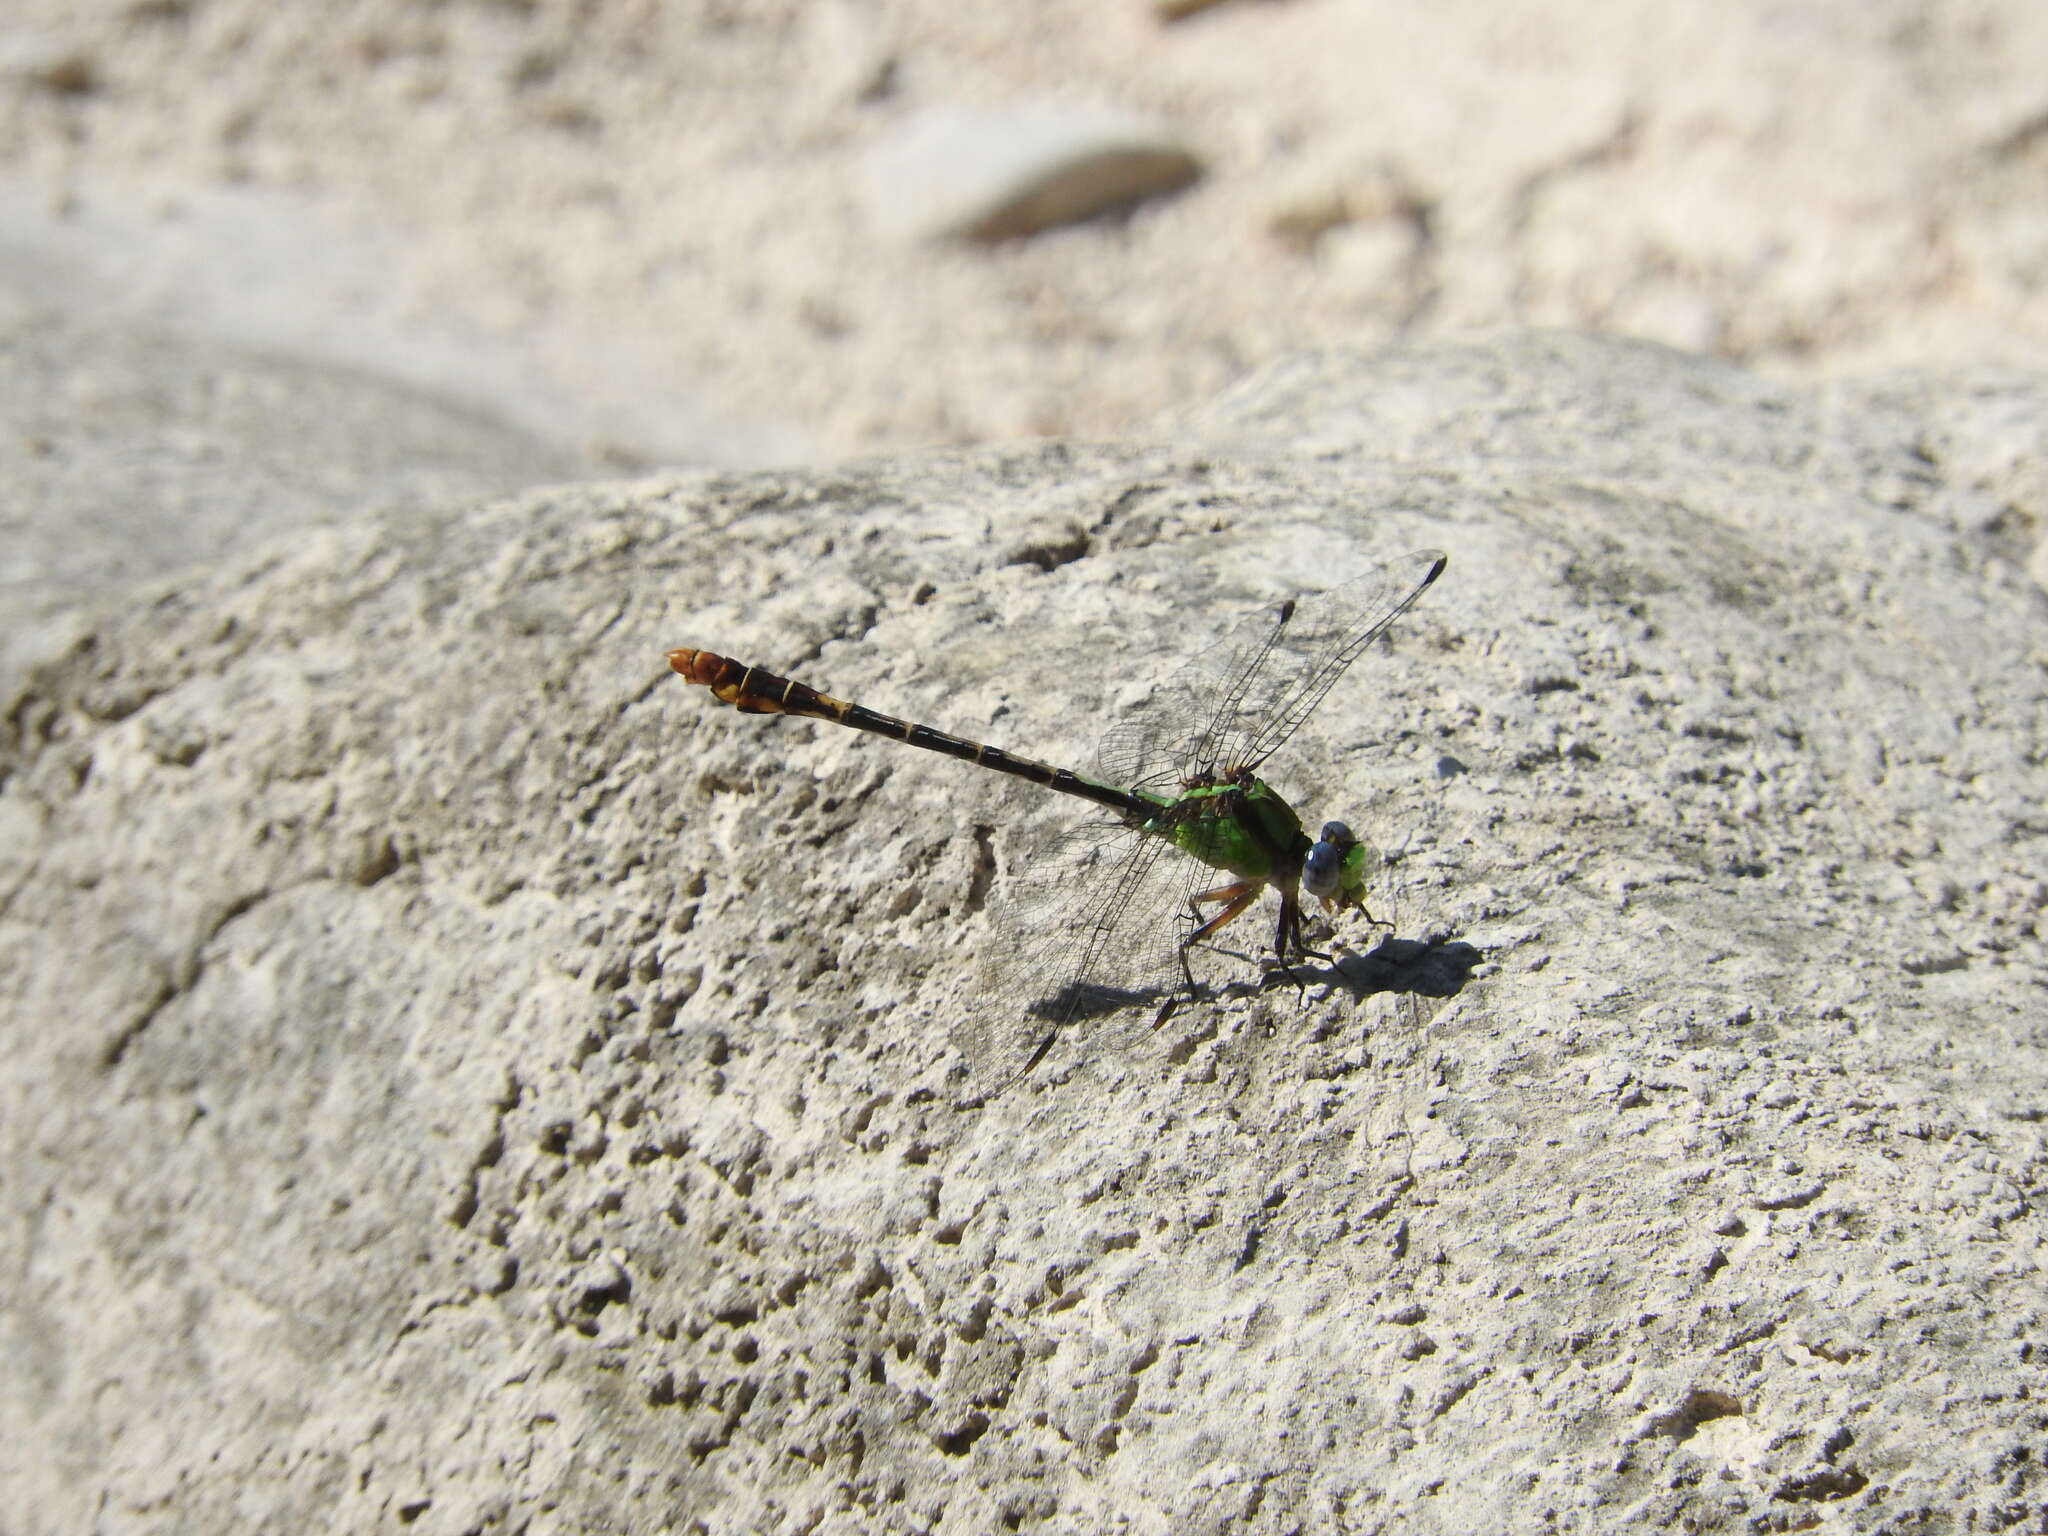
(698, 666)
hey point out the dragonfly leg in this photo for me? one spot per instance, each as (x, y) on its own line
(1288, 944)
(1225, 893)
(1236, 898)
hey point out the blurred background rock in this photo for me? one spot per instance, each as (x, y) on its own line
(765, 231)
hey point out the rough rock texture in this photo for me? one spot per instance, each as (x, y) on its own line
(456, 1076)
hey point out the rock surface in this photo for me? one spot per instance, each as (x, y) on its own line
(458, 1076)
(141, 452)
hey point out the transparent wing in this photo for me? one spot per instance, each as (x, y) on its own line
(1305, 654)
(1088, 943)
(1072, 919)
(1234, 703)
(1161, 741)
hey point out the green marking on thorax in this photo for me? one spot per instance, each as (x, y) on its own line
(1351, 886)
(1237, 835)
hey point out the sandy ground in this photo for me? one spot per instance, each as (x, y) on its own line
(653, 231)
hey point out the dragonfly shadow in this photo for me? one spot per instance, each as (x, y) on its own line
(1423, 968)
(1434, 969)
(1076, 1001)
(1016, 1053)
(1437, 968)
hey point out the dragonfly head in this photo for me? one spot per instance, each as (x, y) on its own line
(1334, 871)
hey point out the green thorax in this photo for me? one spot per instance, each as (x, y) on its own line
(1351, 888)
(1241, 826)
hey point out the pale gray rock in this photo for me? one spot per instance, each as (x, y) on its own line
(458, 1076)
(993, 173)
(138, 452)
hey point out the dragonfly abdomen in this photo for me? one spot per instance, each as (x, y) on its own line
(756, 692)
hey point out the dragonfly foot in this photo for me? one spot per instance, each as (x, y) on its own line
(1290, 970)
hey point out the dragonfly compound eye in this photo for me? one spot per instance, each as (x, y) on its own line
(1323, 871)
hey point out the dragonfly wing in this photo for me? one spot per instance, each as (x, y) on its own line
(1299, 660)
(1175, 732)
(1089, 936)
(1236, 701)
(1143, 748)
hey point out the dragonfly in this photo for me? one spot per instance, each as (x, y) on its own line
(1180, 772)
